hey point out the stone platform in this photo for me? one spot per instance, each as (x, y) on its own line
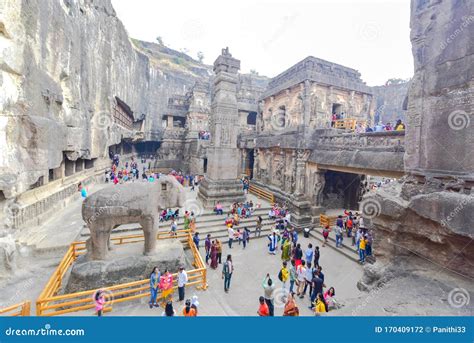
(126, 264)
(223, 191)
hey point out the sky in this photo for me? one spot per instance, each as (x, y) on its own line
(372, 36)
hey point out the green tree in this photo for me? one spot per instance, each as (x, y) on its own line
(159, 40)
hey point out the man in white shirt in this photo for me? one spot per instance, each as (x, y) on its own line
(182, 281)
(301, 277)
(231, 236)
(308, 280)
(271, 214)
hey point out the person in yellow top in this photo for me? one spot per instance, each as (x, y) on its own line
(319, 305)
(219, 250)
(236, 219)
(399, 126)
(284, 275)
(362, 245)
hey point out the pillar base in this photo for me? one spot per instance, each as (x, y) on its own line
(300, 213)
(224, 191)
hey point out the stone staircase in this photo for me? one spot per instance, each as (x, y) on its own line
(207, 223)
(347, 249)
(210, 223)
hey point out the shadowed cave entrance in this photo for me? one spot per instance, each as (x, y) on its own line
(343, 190)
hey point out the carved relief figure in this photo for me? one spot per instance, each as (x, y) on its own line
(319, 182)
(279, 169)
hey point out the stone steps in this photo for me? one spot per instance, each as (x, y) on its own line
(347, 250)
(203, 222)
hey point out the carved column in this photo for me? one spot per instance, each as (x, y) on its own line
(319, 183)
(306, 103)
(243, 157)
(269, 175)
(256, 165)
(302, 156)
(221, 183)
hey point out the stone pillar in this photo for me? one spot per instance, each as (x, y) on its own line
(306, 104)
(256, 165)
(170, 122)
(222, 184)
(244, 158)
(301, 206)
(301, 156)
(318, 183)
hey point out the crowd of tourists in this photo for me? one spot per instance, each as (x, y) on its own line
(299, 277)
(380, 127)
(361, 128)
(352, 227)
(130, 172)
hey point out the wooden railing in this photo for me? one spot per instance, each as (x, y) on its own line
(327, 220)
(51, 304)
(348, 124)
(262, 193)
(21, 309)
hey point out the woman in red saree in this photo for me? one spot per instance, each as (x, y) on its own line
(214, 263)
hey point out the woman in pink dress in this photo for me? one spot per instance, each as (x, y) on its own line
(99, 300)
(166, 287)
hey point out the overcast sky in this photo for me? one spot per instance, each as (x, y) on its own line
(372, 36)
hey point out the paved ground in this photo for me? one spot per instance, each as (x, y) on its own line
(251, 266)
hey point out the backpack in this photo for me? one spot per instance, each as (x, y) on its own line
(280, 276)
(226, 268)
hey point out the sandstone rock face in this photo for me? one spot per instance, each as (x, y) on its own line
(439, 136)
(7, 254)
(62, 63)
(436, 224)
(429, 213)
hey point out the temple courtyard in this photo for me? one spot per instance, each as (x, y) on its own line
(418, 291)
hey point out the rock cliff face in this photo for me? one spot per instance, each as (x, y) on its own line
(390, 101)
(430, 211)
(62, 63)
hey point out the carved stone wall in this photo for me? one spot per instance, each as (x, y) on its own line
(312, 106)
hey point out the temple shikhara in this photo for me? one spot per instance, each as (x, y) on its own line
(118, 156)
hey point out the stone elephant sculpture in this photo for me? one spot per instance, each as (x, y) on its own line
(137, 202)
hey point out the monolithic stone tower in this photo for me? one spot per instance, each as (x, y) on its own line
(221, 182)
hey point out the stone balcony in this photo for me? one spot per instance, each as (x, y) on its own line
(374, 141)
(374, 153)
(365, 153)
